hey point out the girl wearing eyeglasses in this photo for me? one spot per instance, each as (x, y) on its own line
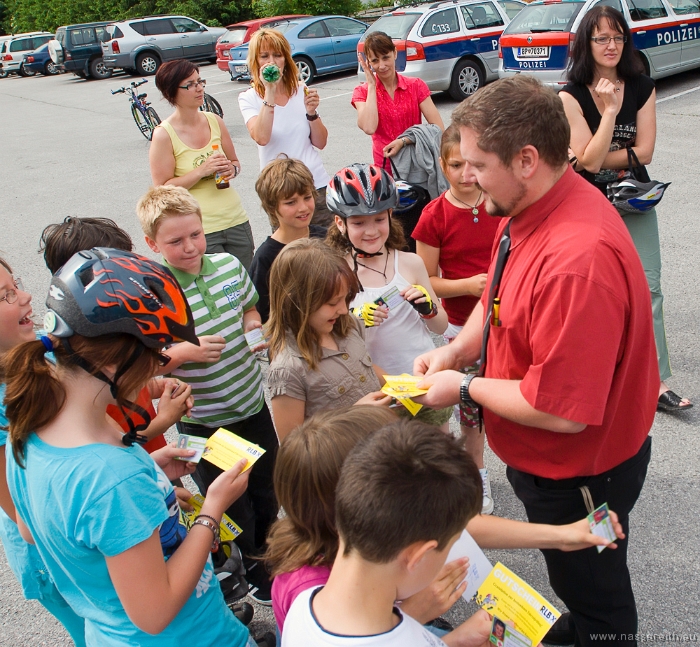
(17, 327)
(189, 148)
(611, 106)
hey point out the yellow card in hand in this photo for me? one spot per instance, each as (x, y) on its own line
(403, 388)
(224, 449)
(229, 530)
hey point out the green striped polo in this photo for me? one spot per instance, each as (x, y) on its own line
(232, 388)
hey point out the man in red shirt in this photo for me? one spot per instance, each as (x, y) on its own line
(571, 378)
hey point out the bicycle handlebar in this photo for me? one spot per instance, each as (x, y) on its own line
(133, 84)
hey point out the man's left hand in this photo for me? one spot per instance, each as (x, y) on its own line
(443, 389)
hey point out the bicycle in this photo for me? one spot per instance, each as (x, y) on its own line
(211, 105)
(144, 115)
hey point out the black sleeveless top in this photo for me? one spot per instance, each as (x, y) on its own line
(637, 93)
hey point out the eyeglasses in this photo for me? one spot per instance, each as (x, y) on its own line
(194, 84)
(11, 295)
(604, 40)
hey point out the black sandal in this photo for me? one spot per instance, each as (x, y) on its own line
(670, 401)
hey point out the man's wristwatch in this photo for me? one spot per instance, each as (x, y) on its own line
(464, 396)
(312, 117)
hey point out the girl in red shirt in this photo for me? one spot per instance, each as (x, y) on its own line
(454, 237)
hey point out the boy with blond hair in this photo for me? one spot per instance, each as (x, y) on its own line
(226, 380)
(287, 194)
(404, 496)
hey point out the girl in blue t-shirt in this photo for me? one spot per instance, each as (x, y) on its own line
(17, 327)
(100, 510)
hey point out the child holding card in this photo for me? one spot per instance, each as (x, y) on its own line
(226, 379)
(287, 194)
(318, 357)
(362, 197)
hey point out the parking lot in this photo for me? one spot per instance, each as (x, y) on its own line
(68, 147)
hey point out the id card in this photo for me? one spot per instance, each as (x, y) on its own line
(254, 338)
(391, 298)
(502, 635)
(600, 523)
(196, 443)
(225, 449)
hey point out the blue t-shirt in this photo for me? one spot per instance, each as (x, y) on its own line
(83, 504)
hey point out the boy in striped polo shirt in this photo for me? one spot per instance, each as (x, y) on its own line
(226, 380)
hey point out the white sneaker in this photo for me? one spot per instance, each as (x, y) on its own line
(487, 503)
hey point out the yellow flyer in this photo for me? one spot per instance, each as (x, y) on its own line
(229, 530)
(225, 449)
(518, 606)
(403, 387)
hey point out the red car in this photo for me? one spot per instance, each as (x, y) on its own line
(242, 32)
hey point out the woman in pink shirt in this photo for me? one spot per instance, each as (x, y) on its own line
(389, 103)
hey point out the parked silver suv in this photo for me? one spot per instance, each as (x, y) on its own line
(141, 45)
(13, 49)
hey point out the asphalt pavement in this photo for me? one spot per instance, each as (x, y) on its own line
(68, 147)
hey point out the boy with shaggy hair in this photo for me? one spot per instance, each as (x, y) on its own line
(404, 497)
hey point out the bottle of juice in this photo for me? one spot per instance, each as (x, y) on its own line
(220, 179)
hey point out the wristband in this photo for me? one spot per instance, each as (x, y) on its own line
(312, 117)
(214, 527)
(464, 396)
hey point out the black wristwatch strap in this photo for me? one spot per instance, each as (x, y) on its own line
(312, 117)
(464, 396)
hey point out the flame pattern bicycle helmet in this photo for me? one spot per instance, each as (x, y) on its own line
(105, 291)
(361, 190)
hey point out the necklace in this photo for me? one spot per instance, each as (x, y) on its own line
(474, 208)
(386, 264)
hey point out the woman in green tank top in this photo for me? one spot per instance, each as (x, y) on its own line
(189, 149)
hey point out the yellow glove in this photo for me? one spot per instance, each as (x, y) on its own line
(427, 309)
(366, 313)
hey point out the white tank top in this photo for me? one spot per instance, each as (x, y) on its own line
(402, 336)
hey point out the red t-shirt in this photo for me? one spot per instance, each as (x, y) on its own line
(395, 115)
(465, 247)
(577, 330)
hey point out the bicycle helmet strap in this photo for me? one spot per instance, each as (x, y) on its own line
(132, 435)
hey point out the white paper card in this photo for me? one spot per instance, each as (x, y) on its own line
(479, 565)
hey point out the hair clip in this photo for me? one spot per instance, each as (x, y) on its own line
(48, 344)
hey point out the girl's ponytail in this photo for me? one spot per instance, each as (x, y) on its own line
(33, 396)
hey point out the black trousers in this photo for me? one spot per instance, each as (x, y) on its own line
(596, 587)
(257, 508)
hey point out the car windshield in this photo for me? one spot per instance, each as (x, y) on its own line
(234, 36)
(536, 19)
(61, 37)
(282, 26)
(395, 25)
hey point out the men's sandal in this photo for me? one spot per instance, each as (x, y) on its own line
(670, 401)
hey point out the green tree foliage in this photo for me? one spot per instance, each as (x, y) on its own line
(312, 7)
(31, 15)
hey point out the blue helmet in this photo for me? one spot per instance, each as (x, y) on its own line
(631, 196)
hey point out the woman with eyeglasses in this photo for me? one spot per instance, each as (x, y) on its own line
(611, 106)
(189, 148)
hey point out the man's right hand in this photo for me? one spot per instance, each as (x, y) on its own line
(209, 349)
(440, 359)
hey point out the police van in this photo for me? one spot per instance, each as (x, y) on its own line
(538, 40)
(452, 46)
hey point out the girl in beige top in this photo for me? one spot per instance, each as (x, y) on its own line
(318, 357)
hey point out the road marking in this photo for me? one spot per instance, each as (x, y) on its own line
(239, 90)
(679, 94)
(336, 95)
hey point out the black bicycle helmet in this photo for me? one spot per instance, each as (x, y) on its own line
(631, 196)
(408, 196)
(104, 291)
(361, 190)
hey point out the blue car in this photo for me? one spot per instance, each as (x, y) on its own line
(40, 61)
(320, 45)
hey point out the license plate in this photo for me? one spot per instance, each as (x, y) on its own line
(533, 52)
(241, 69)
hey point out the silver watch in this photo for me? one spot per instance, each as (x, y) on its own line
(464, 396)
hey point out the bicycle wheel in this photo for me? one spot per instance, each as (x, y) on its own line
(153, 116)
(142, 123)
(211, 105)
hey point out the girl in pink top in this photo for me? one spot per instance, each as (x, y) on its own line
(388, 103)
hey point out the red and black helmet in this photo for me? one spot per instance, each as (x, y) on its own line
(361, 190)
(104, 291)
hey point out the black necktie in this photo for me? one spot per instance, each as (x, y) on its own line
(501, 259)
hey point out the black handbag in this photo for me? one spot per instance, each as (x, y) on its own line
(412, 200)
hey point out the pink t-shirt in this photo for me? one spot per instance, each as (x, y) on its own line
(395, 115)
(287, 586)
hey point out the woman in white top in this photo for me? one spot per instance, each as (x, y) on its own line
(297, 129)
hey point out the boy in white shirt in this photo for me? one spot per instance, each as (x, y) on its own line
(404, 496)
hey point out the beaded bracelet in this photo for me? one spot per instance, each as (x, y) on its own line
(269, 105)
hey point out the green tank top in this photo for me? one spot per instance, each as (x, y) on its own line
(221, 208)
